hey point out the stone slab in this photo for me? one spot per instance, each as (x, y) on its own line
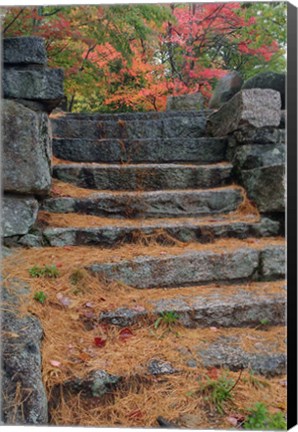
(143, 176)
(201, 150)
(128, 126)
(150, 204)
(188, 268)
(269, 80)
(163, 232)
(24, 50)
(18, 214)
(33, 83)
(256, 108)
(26, 146)
(234, 358)
(245, 309)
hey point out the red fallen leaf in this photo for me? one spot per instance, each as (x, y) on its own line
(125, 333)
(59, 264)
(136, 414)
(213, 373)
(99, 342)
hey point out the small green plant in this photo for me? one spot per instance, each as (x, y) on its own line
(218, 391)
(36, 271)
(264, 321)
(167, 318)
(260, 419)
(50, 271)
(40, 297)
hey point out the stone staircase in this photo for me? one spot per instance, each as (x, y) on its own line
(156, 201)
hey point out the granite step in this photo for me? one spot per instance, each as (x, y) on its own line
(140, 150)
(173, 203)
(131, 125)
(231, 262)
(107, 234)
(143, 176)
(256, 304)
(259, 355)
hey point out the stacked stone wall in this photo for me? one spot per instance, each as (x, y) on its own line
(255, 126)
(30, 91)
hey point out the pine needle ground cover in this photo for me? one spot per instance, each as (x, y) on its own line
(71, 302)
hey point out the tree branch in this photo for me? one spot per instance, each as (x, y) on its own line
(13, 20)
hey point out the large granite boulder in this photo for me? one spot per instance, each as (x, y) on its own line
(26, 144)
(266, 187)
(225, 89)
(24, 50)
(189, 102)
(35, 83)
(268, 80)
(24, 399)
(18, 214)
(253, 156)
(256, 108)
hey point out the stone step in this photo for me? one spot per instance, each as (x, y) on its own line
(246, 305)
(169, 364)
(233, 261)
(140, 150)
(130, 125)
(177, 365)
(143, 176)
(163, 232)
(150, 204)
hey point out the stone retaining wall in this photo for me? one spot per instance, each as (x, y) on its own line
(255, 126)
(31, 90)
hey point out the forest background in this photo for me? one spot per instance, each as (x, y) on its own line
(125, 58)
